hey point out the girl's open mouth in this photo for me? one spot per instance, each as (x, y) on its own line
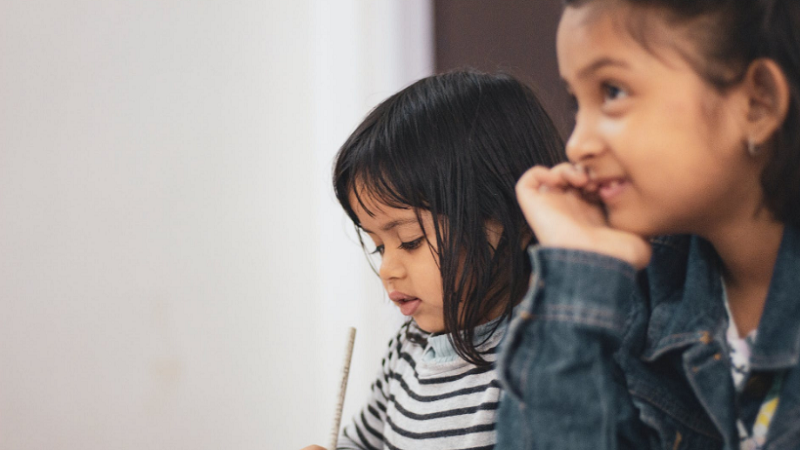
(609, 190)
(408, 306)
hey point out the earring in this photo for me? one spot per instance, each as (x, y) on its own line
(752, 148)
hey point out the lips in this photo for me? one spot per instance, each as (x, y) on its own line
(610, 188)
(408, 304)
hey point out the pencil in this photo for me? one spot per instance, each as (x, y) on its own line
(337, 415)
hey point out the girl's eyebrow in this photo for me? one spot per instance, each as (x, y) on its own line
(599, 64)
(393, 224)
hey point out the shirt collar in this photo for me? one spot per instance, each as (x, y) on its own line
(440, 350)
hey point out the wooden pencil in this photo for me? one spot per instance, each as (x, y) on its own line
(337, 415)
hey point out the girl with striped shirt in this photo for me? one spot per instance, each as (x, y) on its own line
(428, 180)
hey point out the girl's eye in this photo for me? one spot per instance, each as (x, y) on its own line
(378, 250)
(412, 244)
(612, 92)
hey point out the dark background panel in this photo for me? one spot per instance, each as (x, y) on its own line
(515, 36)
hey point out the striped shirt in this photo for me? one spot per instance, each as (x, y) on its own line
(427, 397)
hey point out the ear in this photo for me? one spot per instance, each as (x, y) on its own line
(768, 99)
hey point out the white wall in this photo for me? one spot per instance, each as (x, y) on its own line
(174, 271)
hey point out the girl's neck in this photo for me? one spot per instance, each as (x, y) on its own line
(748, 248)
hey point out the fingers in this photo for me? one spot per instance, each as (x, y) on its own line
(563, 209)
(573, 175)
(561, 177)
(590, 186)
(558, 189)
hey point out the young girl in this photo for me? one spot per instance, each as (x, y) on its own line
(687, 125)
(428, 177)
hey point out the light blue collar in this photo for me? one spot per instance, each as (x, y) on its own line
(440, 350)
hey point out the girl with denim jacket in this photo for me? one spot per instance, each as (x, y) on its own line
(687, 126)
(428, 180)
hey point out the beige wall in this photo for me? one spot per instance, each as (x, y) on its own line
(174, 272)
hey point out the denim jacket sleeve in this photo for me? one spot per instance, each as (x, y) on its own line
(564, 389)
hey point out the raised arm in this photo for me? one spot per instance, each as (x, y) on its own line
(564, 389)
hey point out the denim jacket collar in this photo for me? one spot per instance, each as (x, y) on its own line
(680, 316)
(686, 303)
(778, 346)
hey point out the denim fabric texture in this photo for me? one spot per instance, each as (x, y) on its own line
(601, 357)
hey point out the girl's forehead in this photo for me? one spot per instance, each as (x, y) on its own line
(364, 198)
(368, 206)
(364, 202)
(601, 31)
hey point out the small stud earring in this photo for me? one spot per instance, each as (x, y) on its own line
(752, 148)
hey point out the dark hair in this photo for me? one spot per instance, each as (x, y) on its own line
(455, 145)
(733, 35)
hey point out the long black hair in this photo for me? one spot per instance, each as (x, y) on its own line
(733, 35)
(455, 144)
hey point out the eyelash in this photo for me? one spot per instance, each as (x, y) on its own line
(608, 88)
(610, 92)
(411, 245)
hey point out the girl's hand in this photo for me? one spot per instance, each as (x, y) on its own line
(561, 206)
(313, 447)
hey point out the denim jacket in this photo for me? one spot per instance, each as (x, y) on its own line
(602, 357)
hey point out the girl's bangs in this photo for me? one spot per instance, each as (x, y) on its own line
(382, 182)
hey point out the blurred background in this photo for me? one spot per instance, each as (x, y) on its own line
(174, 269)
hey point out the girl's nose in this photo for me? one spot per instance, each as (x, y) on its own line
(584, 142)
(392, 266)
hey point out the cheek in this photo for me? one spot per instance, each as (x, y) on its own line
(434, 280)
(663, 142)
(433, 284)
(711, 121)
(723, 133)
